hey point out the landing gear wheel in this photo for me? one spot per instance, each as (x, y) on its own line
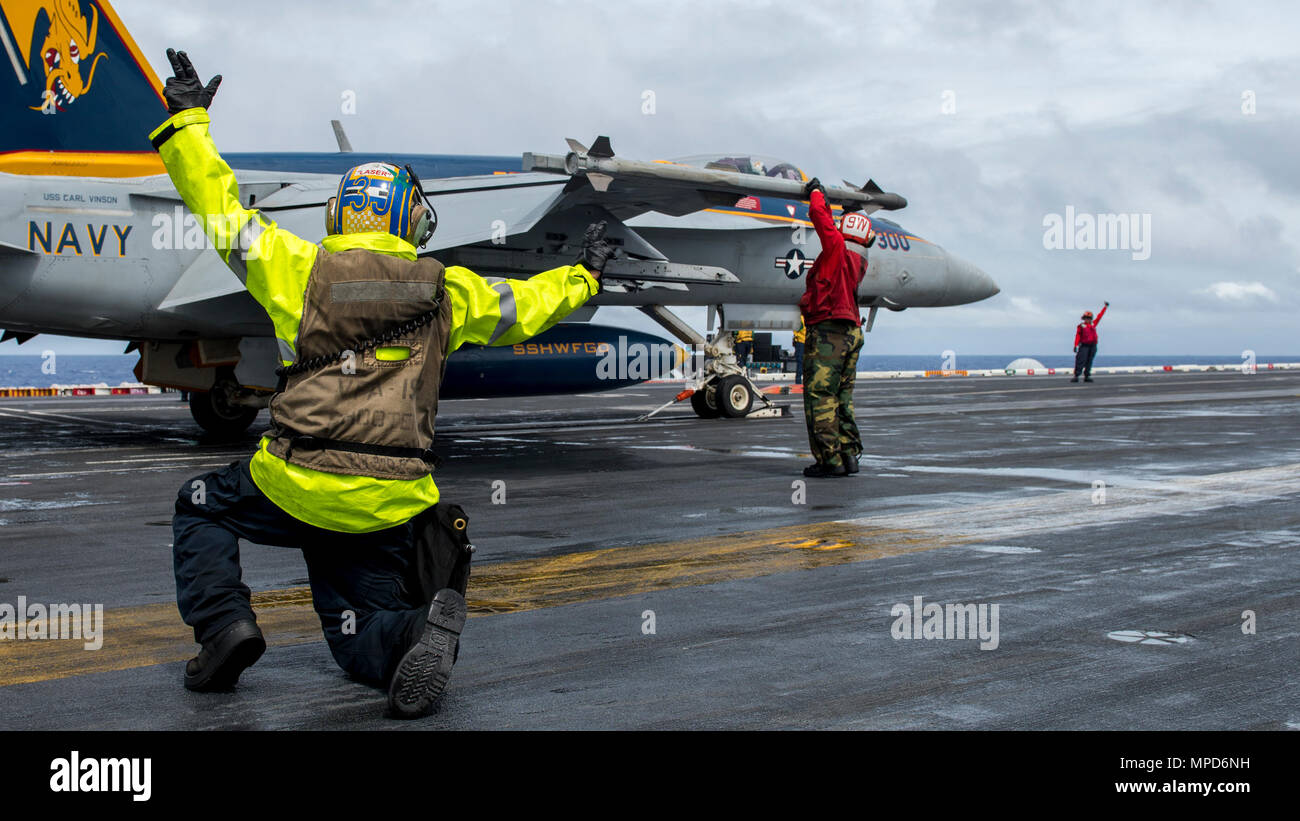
(735, 397)
(705, 402)
(217, 413)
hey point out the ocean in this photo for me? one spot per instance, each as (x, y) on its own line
(30, 371)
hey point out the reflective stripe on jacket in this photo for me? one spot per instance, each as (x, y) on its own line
(275, 264)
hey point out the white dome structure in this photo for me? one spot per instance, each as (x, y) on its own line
(1024, 363)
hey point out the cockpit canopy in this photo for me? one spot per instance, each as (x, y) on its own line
(758, 164)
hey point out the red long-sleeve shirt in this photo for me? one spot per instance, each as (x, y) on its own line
(1086, 333)
(832, 288)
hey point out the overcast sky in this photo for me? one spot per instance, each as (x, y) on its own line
(987, 116)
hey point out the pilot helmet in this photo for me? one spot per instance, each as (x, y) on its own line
(855, 226)
(380, 197)
(1087, 315)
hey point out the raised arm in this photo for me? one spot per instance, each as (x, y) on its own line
(272, 263)
(1101, 313)
(822, 219)
(498, 311)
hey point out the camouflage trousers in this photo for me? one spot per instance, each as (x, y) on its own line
(830, 365)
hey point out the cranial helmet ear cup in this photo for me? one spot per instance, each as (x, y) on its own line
(418, 225)
(331, 210)
(424, 220)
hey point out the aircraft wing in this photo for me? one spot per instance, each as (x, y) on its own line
(477, 209)
(470, 209)
(16, 250)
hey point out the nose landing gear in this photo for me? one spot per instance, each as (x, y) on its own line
(722, 388)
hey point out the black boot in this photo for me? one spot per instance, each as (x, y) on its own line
(221, 660)
(850, 462)
(819, 470)
(1075, 379)
(423, 673)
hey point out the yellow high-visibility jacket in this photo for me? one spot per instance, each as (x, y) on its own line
(801, 334)
(744, 336)
(275, 264)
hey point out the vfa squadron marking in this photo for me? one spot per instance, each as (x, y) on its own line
(535, 349)
(67, 240)
(65, 52)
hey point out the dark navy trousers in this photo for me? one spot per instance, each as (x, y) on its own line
(1083, 360)
(361, 583)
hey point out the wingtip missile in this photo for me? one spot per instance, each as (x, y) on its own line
(601, 168)
(579, 154)
(878, 196)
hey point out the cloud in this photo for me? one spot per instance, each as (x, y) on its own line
(1026, 305)
(1241, 292)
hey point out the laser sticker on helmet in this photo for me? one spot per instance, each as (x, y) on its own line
(378, 170)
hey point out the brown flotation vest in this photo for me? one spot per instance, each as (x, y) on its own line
(342, 410)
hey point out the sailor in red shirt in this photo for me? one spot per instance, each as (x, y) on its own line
(1085, 344)
(834, 339)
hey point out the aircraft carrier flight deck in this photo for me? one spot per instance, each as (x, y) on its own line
(1137, 535)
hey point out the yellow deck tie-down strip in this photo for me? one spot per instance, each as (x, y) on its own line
(151, 634)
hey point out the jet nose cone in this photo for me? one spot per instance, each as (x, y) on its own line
(967, 283)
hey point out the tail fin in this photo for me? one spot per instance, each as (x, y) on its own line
(74, 83)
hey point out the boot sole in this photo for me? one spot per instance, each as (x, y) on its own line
(424, 671)
(226, 670)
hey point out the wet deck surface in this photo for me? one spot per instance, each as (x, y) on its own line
(771, 609)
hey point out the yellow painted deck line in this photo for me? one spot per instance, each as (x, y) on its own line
(154, 634)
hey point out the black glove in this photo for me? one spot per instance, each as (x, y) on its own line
(186, 90)
(1107, 304)
(596, 250)
(813, 185)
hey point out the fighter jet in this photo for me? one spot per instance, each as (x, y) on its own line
(95, 241)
